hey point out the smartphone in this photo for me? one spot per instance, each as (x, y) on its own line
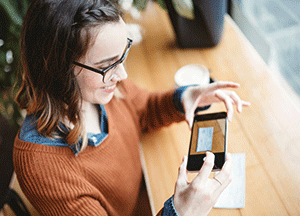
(209, 133)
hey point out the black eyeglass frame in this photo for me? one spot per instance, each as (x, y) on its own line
(105, 70)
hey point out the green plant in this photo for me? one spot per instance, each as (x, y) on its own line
(11, 14)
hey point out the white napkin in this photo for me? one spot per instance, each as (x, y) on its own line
(234, 195)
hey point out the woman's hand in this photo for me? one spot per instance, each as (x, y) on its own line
(199, 196)
(196, 96)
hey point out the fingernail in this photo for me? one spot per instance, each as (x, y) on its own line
(207, 153)
(184, 158)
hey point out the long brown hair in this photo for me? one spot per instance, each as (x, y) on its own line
(55, 33)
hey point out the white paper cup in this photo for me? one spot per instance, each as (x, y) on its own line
(192, 74)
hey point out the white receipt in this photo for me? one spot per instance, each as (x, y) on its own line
(234, 195)
(205, 138)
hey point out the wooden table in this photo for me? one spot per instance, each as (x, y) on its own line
(267, 132)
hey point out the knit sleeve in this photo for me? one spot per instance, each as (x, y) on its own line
(53, 187)
(177, 100)
(154, 109)
(169, 209)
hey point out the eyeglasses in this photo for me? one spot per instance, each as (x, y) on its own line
(108, 73)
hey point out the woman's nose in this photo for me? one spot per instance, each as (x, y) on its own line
(120, 74)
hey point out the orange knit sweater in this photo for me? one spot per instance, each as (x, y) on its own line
(102, 180)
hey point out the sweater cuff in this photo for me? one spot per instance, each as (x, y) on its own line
(177, 100)
(169, 209)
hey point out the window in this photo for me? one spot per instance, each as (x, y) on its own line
(273, 28)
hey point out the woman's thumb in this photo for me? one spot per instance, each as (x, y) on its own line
(182, 173)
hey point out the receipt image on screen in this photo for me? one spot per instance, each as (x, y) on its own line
(205, 138)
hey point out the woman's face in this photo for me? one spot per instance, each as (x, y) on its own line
(110, 41)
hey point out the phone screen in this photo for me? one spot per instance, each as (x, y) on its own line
(209, 133)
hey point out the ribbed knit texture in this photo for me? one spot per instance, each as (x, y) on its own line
(102, 180)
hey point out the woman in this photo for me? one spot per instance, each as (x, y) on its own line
(77, 152)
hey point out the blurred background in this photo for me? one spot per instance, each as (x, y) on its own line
(11, 15)
(273, 28)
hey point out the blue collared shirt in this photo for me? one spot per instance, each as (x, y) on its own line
(29, 133)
